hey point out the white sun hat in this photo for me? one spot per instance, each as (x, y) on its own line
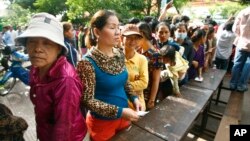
(44, 25)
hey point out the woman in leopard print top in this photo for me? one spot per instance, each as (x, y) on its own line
(104, 76)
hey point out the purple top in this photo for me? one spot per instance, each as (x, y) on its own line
(199, 57)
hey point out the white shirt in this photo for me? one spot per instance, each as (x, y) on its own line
(241, 28)
(225, 44)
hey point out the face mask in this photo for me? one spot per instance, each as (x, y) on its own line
(180, 35)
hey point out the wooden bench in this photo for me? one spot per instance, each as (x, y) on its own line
(231, 116)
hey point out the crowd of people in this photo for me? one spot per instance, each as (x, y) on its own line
(91, 85)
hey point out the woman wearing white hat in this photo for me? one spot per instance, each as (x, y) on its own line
(57, 104)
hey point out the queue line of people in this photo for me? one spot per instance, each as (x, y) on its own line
(124, 71)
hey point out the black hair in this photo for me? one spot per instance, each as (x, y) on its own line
(212, 22)
(172, 30)
(198, 34)
(228, 26)
(148, 19)
(145, 30)
(168, 51)
(99, 20)
(185, 19)
(133, 20)
(153, 23)
(162, 24)
(168, 20)
(180, 24)
(210, 30)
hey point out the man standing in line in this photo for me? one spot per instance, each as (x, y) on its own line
(241, 68)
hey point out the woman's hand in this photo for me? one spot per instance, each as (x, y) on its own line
(129, 114)
(211, 50)
(137, 104)
(150, 104)
(169, 4)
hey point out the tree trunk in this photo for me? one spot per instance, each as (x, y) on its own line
(148, 5)
(159, 8)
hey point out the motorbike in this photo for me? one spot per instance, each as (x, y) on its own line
(12, 68)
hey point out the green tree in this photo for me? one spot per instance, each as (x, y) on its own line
(17, 16)
(125, 8)
(51, 6)
(227, 9)
(26, 4)
(179, 4)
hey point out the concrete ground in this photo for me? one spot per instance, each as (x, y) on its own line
(18, 101)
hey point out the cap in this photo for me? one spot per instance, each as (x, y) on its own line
(131, 29)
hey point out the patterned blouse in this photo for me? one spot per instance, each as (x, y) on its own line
(105, 81)
(155, 61)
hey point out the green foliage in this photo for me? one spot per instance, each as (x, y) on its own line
(17, 16)
(26, 4)
(227, 9)
(245, 2)
(76, 9)
(125, 8)
(51, 6)
(180, 3)
(81, 10)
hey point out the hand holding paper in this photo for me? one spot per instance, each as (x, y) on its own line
(142, 113)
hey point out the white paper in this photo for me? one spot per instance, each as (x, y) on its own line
(142, 113)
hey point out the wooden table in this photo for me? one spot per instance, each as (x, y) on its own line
(173, 117)
(210, 82)
(135, 133)
(213, 80)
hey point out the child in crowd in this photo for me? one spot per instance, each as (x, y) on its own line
(209, 47)
(176, 67)
(198, 38)
(156, 64)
